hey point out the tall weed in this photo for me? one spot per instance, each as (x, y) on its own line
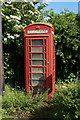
(15, 100)
(66, 101)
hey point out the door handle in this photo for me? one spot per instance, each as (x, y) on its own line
(47, 62)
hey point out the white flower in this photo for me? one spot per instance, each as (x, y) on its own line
(2, 13)
(8, 34)
(7, 17)
(32, 21)
(32, 3)
(31, 12)
(15, 17)
(18, 26)
(25, 0)
(12, 37)
(5, 39)
(9, 20)
(37, 12)
(9, 2)
(63, 86)
(16, 35)
(34, 0)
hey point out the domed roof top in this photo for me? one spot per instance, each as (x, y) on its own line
(39, 23)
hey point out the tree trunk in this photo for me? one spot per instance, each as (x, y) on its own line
(1, 57)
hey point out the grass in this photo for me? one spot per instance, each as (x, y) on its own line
(16, 102)
(65, 103)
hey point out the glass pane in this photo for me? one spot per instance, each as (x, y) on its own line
(38, 89)
(38, 76)
(38, 62)
(37, 69)
(37, 49)
(39, 82)
(37, 56)
(37, 42)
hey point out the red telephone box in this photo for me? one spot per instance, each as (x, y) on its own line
(39, 57)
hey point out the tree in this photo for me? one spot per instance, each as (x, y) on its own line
(1, 58)
(67, 40)
(15, 16)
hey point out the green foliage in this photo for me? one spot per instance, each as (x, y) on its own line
(15, 100)
(67, 40)
(65, 103)
(15, 16)
(69, 79)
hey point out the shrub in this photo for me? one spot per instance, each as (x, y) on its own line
(66, 101)
(15, 100)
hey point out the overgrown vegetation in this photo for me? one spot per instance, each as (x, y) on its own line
(67, 40)
(65, 103)
(16, 101)
(16, 16)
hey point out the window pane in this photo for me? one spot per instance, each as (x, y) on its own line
(37, 69)
(38, 76)
(38, 89)
(37, 42)
(38, 56)
(38, 62)
(37, 49)
(39, 82)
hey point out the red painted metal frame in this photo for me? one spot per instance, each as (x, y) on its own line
(50, 52)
